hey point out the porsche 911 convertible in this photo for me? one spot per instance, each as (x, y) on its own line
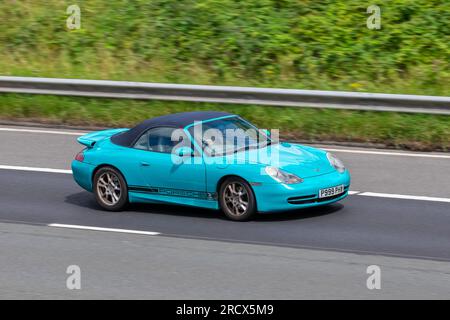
(208, 159)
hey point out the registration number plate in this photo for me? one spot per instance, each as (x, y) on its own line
(329, 192)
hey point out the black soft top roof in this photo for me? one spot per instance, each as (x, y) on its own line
(176, 120)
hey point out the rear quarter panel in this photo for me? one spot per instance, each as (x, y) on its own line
(106, 153)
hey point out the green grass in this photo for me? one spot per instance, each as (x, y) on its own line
(398, 130)
(305, 44)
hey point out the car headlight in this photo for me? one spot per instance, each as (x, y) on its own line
(335, 162)
(282, 176)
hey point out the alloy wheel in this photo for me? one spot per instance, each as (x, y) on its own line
(236, 198)
(109, 188)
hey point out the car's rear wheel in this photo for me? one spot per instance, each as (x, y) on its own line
(110, 189)
(237, 200)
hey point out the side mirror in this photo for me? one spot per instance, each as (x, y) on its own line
(184, 151)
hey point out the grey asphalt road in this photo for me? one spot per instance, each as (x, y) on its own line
(358, 224)
(370, 172)
(314, 253)
(34, 260)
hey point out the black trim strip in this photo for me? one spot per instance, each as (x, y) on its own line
(318, 200)
(182, 193)
(302, 197)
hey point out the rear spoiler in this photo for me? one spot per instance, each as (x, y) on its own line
(90, 139)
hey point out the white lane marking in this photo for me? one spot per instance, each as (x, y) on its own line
(34, 169)
(70, 226)
(403, 196)
(385, 153)
(70, 133)
(358, 193)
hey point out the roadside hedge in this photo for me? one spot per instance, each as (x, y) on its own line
(279, 43)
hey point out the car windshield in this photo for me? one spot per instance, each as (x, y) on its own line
(228, 135)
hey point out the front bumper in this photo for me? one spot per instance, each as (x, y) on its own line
(280, 197)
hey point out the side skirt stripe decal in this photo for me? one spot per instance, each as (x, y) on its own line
(174, 192)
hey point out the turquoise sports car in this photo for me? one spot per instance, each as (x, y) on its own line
(208, 159)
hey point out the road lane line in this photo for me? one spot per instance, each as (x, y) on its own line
(403, 196)
(419, 155)
(35, 169)
(353, 192)
(70, 133)
(70, 226)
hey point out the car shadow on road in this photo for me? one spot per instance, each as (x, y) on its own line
(87, 201)
(298, 214)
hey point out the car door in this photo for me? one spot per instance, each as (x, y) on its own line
(163, 175)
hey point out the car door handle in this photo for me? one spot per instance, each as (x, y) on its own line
(145, 164)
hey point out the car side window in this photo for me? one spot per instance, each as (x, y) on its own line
(142, 143)
(160, 139)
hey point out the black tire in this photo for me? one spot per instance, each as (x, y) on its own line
(232, 204)
(104, 194)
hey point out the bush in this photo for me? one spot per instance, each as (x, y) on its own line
(283, 43)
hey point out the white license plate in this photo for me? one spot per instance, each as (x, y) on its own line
(329, 192)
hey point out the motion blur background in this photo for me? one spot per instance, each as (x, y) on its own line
(264, 43)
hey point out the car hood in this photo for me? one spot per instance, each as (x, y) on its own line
(297, 159)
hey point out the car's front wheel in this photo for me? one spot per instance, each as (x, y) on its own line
(236, 199)
(110, 189)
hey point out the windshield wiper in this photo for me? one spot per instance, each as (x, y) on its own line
(241, 149)
(246, 148)
(269, 142)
